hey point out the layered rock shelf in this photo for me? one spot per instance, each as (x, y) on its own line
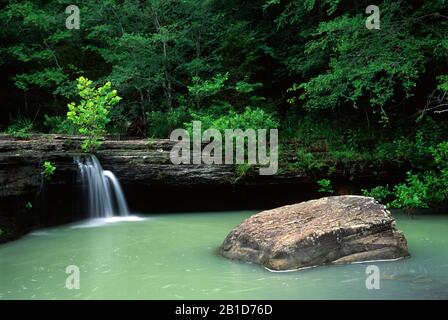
(150, 181)
(142, 162)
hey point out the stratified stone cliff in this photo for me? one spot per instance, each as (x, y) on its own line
(150, 181)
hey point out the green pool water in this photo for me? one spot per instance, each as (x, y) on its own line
(174, 256)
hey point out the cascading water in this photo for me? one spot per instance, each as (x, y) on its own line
(102, 191)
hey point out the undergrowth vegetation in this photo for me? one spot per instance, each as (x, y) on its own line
(340, 94)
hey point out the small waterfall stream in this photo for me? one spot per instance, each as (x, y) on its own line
(102, 191)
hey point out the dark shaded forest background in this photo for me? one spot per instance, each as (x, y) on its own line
(336, 89)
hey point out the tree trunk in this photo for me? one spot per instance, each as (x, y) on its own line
(142, 108)
(168, 87)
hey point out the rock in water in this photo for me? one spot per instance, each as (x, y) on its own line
(332, 230)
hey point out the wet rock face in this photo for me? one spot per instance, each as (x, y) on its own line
(139, 162)
(133, 161)
(332, 230)
(149, 179)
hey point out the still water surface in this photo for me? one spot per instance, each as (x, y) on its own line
(174, 256)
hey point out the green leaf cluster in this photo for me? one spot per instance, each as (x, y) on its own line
(92, 113)
(48, 170)
(420, 190)
(20, 128)
(325, 186)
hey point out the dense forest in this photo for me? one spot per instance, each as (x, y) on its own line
(337, 90)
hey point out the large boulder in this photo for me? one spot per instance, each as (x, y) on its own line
(332, 230)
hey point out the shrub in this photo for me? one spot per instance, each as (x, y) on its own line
(160, 124)
(305, 160)
(20, 128)
(92, 114)
(422, 190)
(411, 194)
(48, 170)
(325, 186)
(121, 118)
(251, 118)
(201, 89)
(380, 193)
(309, 129)
(58, 124)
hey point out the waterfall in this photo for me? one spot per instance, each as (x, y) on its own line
(103, 195)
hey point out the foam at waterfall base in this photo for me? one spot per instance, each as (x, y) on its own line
(90, 223)
(98, 222)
